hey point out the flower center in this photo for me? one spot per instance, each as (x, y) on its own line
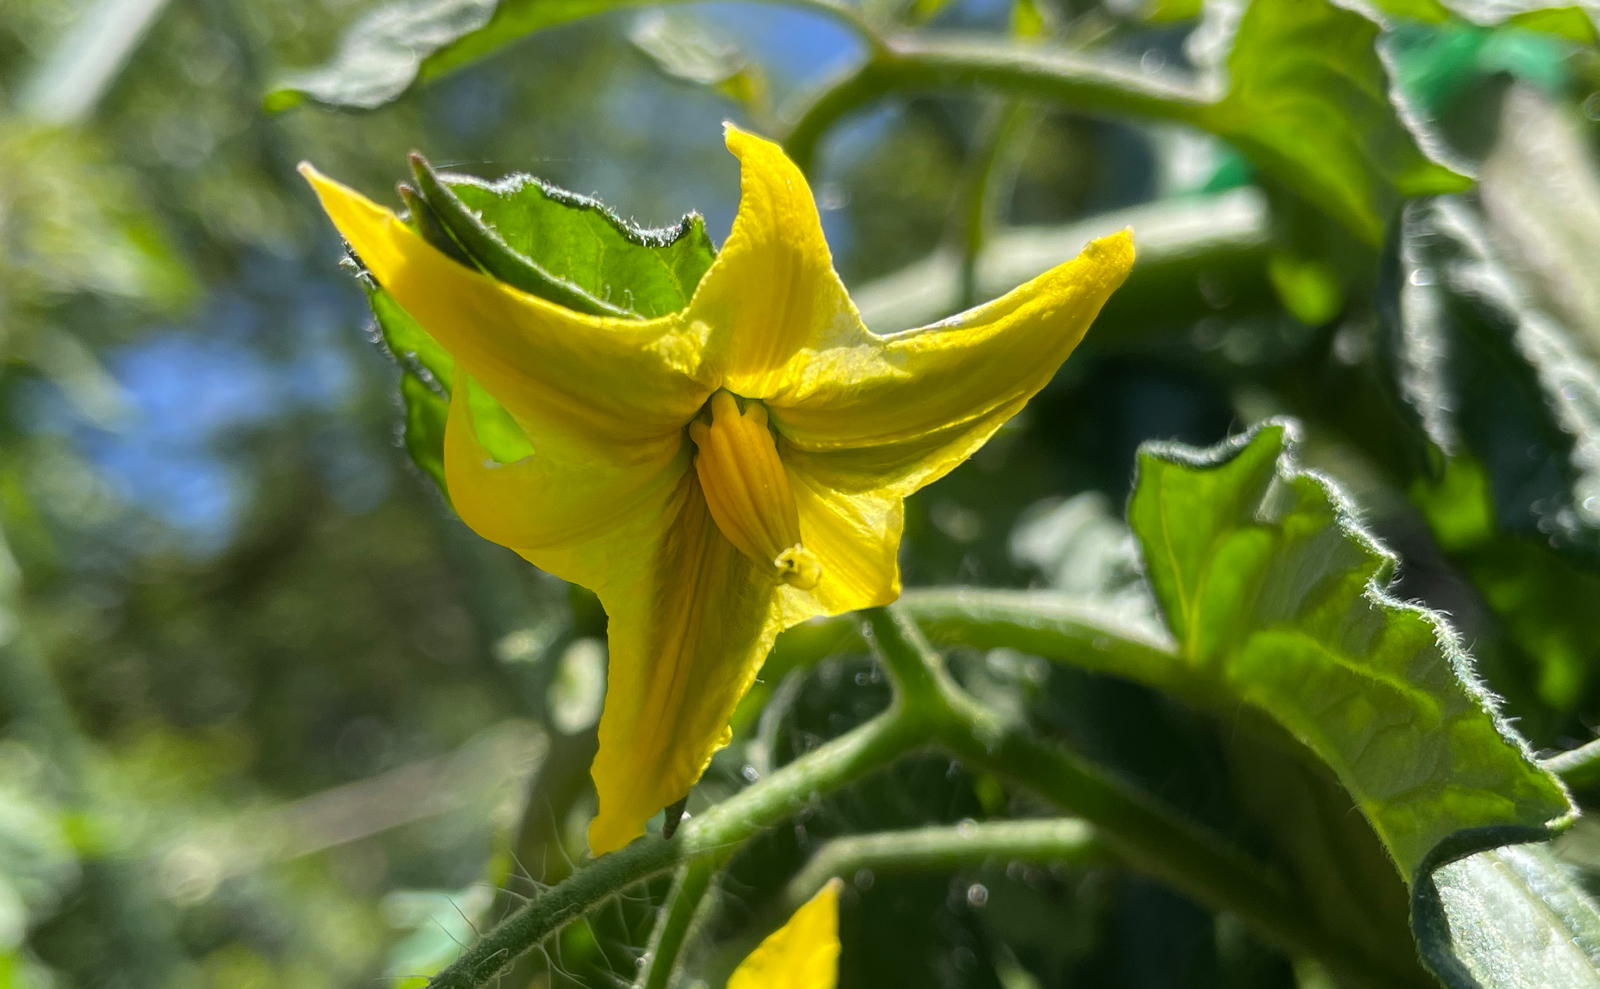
(747, 490)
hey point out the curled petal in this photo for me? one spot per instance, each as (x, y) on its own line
(568, 512)
(856, 540)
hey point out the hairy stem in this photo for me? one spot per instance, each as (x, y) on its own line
(666, 942)
(919, 64)
(942, 848)
(1578, 768)
(712, 838)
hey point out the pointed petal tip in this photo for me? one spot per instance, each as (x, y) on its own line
(1115, 249)
(741, 143)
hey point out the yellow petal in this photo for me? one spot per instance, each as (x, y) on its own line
(802, 954)
(568, 512)
(856, 541)
(691, 621)
(772, 293)
(614, 381)
(901, 411)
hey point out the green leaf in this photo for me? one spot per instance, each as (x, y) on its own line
(1028, 20)
(1572, 23)
(396, 45)
(1168, 11)
(1308, 287)
(1426, 11)
(1271, 588)
(487, 249)
(1309, 103)
(1542, 601)
(1511, 918)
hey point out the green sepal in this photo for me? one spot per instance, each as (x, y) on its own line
(491, 253)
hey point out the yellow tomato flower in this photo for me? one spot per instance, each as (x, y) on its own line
(722, 473)
(802, 954)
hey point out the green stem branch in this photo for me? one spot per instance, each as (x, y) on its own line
(935, 65)
(1578, 768)
(1145, 834)
(942, 849)
(666, 942)
(710, 838)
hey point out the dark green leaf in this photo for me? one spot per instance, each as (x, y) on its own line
(1488, 373)
(1309, 103)
(1271, 588)
(1544, 603)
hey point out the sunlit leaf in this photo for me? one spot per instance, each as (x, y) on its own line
(1269, 585)
(573, 242)
(578, 242)
(1308, 102)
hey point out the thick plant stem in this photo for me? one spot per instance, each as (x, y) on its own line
(710, 838)
(943, 848)
(918, 64)
(1142, 832)
(666, 942)
(491, 954)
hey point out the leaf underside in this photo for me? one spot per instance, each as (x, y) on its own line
(1309, 101)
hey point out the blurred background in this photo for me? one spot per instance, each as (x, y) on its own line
(270, 715)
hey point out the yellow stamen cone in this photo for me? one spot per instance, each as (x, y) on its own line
(748, 492)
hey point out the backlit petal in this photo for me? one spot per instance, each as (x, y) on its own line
(691, 621)
(856, 540)
(772, 294)
(613, 380)
(569, 513)
(899, 412)
(802, 954)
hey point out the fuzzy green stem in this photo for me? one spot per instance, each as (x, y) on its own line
(712, 838)
(1145, 834)
(941, 849)
(1579, 768)
(666, 941)
(919, 64)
